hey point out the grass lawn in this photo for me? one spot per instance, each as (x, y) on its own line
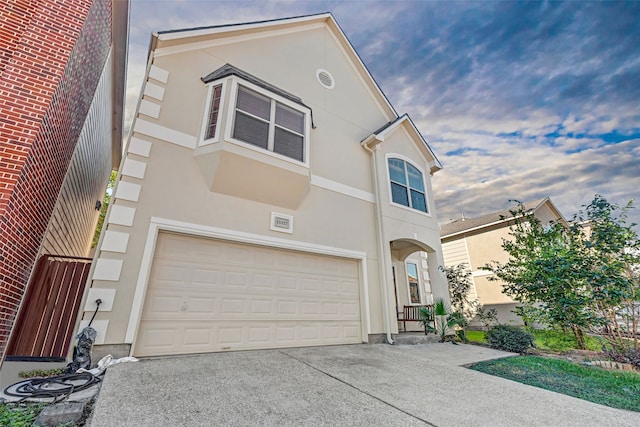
(547, 340)
(617, 389)
(476, 336)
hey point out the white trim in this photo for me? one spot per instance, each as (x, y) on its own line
(107, 269)
(149, 108)
(153, 90)
(231, 113)
(424, 182)
(229, 39)
(114, 241)
(162, 224)
(405, 118)
(121, 215)
(468, 255)
(159, 74)
(139, 147)
(133, 168)
(205, 117)
(338, 187)
(128, 191)
(481, 273)
(164, 133)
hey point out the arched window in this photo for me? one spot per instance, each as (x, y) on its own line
(407, 185)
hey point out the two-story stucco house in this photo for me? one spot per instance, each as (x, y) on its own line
(270, 196)
(477, 242)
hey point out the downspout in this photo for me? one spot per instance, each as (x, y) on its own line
(379, 229)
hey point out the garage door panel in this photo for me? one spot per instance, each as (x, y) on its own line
(188, 337)
(209, 295)
(247, 306)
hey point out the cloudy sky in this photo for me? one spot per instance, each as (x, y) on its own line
(519, 100)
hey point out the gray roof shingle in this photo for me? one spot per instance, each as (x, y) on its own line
(470, 223)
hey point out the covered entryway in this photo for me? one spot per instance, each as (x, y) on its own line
(207, 295)
(413, 266)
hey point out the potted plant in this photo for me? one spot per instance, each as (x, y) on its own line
(446, 320)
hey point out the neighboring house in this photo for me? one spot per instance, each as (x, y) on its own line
(477, 242)
(268, 193)
(62, 69)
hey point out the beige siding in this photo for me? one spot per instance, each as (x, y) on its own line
(455, 252)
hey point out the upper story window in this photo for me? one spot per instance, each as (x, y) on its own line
(255, 114)
(407, 185)
(214, 111)
(266, 123)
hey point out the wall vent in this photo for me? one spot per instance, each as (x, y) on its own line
(281, 222)
(325, 78)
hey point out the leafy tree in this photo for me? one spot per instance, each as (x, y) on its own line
(577, 280)
(460, 283)
(103, 209)
(612, 252)
(545, 271)
(459, 280)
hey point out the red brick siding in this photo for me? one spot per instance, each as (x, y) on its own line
(46, 87)
(16, 17)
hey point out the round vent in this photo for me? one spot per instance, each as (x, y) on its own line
(325, 78)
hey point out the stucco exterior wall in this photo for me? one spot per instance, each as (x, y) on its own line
(169, 172)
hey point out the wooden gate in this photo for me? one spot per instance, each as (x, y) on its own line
(44, 327)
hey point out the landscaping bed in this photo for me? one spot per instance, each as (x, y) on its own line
(614, 388)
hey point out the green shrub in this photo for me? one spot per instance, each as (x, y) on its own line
(509, 338)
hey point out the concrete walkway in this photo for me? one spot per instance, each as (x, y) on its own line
(373, 385)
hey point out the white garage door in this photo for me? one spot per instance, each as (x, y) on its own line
(209, 295)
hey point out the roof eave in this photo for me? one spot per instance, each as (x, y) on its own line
(382, 132)
(120, 34)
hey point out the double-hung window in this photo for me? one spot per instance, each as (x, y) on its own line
(407, 185)
(269, 124)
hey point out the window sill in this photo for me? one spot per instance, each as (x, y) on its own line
(408, 209)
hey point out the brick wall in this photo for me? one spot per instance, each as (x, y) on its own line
(52, 53)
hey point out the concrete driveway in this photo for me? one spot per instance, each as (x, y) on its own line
(373, 385)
